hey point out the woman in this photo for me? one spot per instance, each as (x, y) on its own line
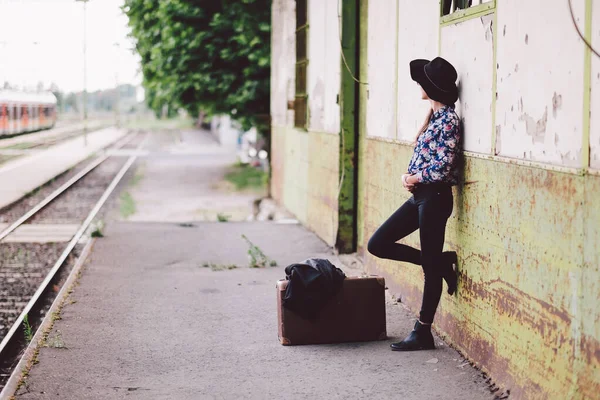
(432, 172)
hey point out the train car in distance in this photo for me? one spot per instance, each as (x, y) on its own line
(22, 112)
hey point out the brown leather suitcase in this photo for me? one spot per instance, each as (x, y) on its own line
(355, 314)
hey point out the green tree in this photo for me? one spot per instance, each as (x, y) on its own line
(208, 56)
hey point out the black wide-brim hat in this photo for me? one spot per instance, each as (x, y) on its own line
(437, 78)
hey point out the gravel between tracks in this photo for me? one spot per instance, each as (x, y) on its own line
(23, 266)
(73, 206)
(15, 211)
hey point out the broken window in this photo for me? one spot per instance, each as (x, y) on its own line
(450, 6)
(301, 99)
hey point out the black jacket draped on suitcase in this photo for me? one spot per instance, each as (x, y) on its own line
(311, 285)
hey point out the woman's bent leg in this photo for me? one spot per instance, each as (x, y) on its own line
(400, 224)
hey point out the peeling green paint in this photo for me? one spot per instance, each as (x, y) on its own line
(346, 235)
(362, 117)
(526, 309)
(526, 234)
(307, 186)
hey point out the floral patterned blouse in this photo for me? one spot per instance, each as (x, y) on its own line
(435, 158)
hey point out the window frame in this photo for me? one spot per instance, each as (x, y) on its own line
(301, 91)
(467, 13)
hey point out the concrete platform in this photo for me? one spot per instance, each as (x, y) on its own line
(150, 322)
(19, 177)
(152, 319)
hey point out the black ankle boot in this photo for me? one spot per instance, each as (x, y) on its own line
(419, 339)
(449, 274)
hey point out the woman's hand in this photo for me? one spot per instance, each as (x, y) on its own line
(407, 180)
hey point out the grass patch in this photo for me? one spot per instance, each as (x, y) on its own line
(27, 329)
(223, 217)
(247, 177)
(127, 205)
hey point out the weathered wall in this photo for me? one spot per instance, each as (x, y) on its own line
(410, 111)
(305, 163)
(324, 66)
(469, 47)
(526, 308)
(526, 232)
(595, 85)
(539, 109)
(527, 224)
(382, 45)
(305, 178)
(283, 56)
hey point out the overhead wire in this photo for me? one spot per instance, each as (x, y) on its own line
(581, 35)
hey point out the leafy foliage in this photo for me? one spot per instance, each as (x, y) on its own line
(205, 55)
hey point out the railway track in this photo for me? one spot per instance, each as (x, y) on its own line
(31, 273)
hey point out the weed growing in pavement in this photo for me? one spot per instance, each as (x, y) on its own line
(98, 230)
(257, 257)
(56, 341)
(127, 205)
(27, 329)
(56, 316)
(223, 217)
(218, 267)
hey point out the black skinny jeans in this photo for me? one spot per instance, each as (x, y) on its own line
(427, 210)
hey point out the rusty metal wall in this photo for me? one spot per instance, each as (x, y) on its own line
(323, 185)
(526, 309)
(306, 178)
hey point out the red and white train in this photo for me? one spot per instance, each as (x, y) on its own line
(26, 112)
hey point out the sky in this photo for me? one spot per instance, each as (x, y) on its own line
(42, 41)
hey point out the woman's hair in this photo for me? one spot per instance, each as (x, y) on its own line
(423, 127)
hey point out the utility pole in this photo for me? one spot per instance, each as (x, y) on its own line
(85, 105)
